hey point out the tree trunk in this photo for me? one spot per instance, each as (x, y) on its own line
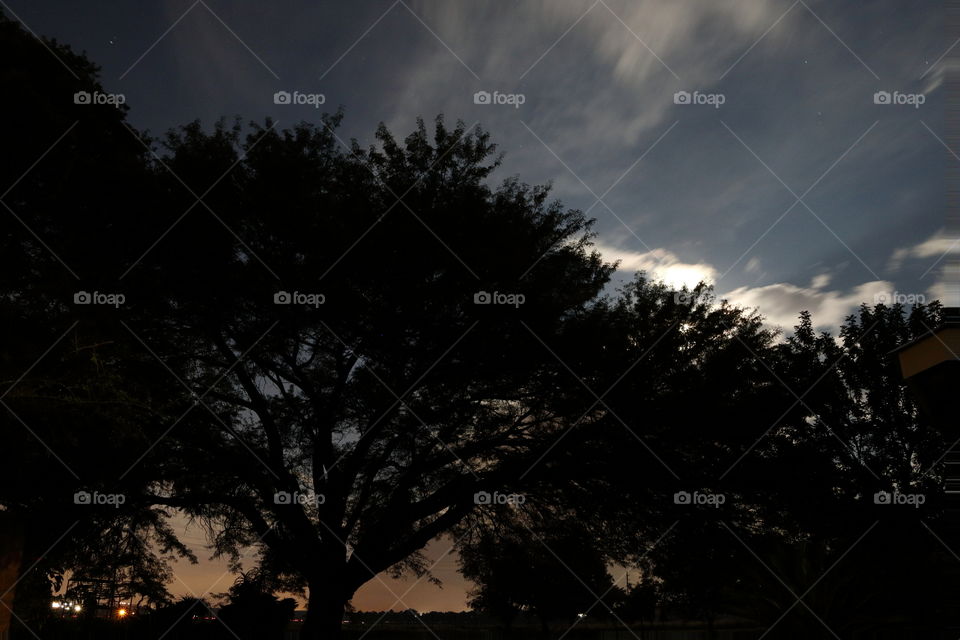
(11, 554)
(325, 606)
(544, 628)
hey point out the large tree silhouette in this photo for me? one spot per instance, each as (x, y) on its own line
(343, 436)
(345, 432)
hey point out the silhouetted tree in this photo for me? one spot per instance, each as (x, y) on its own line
(184, 619)
(676, 395)
(847, 430)
(78, 408)
(377, 403)
(345, 435)
(551, 569)
(639, 603)
(252, 611)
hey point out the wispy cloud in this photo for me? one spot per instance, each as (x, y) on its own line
(936, 246)
(661, 264)
(781, 303)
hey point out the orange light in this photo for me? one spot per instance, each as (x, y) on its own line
(121, 613)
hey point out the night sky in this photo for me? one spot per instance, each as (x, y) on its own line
(788, 186)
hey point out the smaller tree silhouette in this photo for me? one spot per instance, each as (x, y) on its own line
(253, 611)
(551, 569)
